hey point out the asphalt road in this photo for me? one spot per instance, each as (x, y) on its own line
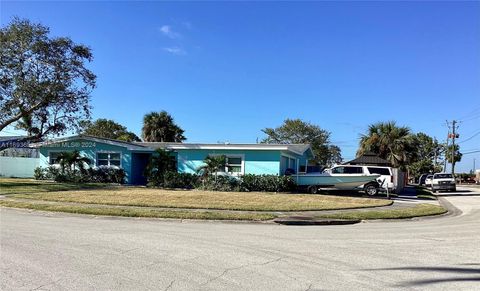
(51, 251)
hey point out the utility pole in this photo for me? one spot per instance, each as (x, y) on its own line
(453, 146)
(453, 136)
(446, 149)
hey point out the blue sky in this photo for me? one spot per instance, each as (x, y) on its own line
(227, 70)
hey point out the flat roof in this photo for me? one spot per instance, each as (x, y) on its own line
(295, 148)
(299, 149)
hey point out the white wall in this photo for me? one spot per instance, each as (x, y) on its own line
(18, 167)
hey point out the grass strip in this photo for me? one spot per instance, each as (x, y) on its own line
(133, 212)
(416, 211)
(423, 193)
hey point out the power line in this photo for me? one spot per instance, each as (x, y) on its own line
(473, 112)
(465, 140)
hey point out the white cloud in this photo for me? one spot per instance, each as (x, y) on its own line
(175, 50)
(168, 32)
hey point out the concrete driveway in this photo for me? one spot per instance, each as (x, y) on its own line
(52, 251)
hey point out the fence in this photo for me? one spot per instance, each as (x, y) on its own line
(18, 167)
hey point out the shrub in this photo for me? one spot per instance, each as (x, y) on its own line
(222, 183)
(107, 175)
(97, 175)
(160, 163)
(268, 183)
(40, 173)
(180, 180)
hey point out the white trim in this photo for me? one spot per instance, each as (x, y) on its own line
(232, 147)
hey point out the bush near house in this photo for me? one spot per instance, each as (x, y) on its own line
(178, 180)
(268, 183)
(91, 175)
(221, 183)
(246, 183)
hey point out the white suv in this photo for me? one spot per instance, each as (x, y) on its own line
(443, 181)
(385, 181)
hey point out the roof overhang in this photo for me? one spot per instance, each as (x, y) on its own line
(127, 145)
(297, 149)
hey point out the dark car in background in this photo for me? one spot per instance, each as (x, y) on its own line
(421, 180)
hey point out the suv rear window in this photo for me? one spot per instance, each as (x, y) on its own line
(442, 176)
(379, 171)
(347, 170)
(353, 170)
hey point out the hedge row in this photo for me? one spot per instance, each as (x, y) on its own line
(91, 175)
(245, 183)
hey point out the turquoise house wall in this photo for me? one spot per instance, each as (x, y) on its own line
(255, 161)
(88, 149)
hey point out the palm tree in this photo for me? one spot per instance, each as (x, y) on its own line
(212, 165)
(160, 127)
(72, 160)
(389, 141)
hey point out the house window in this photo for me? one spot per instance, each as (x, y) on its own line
(108, 159)
(53, 157)
(234, 165)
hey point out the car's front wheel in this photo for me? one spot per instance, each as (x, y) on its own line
(371, 189)
(313, 189)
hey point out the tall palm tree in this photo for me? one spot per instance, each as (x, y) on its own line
(72, 160)
(212, 165)
(389, 141)
(160, 127)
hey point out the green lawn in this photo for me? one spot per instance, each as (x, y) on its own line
(114, 200)
(415, 211)
(25, 186)
(195, 199)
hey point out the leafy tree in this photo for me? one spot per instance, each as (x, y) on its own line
(453, 155)
(426, 157)
(160, 127)
(72, 160)
(294, 131)
(334, 155)
(389, 141)
(160, 163)
(44, 83)
(107, 128)
(212, 165)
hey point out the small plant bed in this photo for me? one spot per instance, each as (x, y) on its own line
(423, 193)
(197, 199)
(24, 186)
(416, 211)
(136, 212)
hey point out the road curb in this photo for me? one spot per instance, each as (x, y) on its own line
(304, 220)
(452, 210)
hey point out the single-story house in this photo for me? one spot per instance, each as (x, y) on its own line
(133, 157)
